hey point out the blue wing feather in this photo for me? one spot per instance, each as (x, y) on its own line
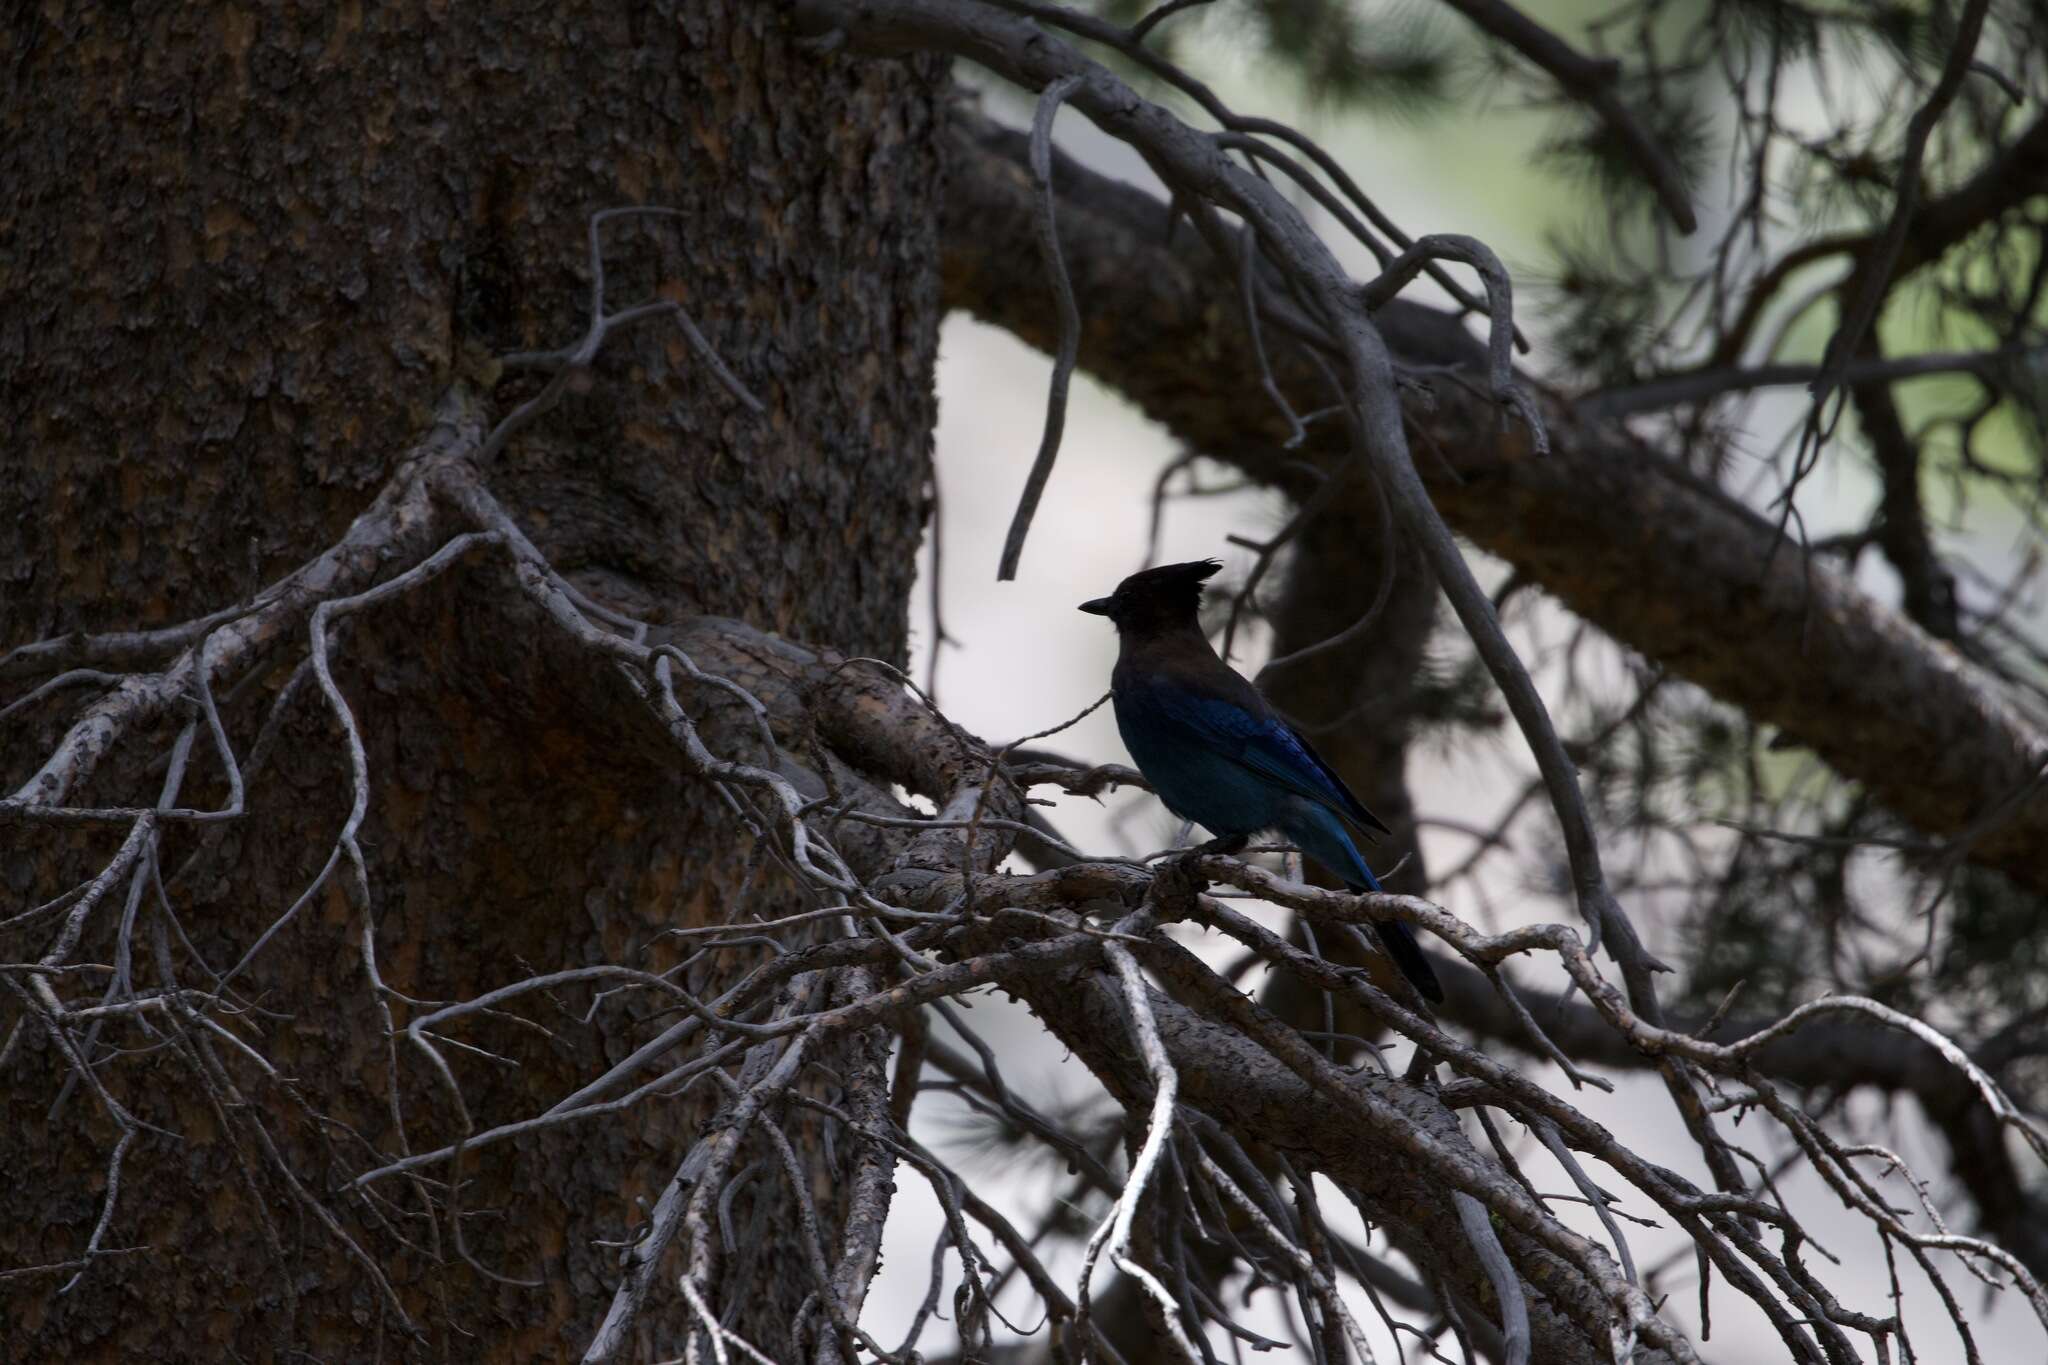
(1288, 741)
(1262, 743)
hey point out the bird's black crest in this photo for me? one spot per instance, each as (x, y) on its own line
(1171, 580)
(1157, 599)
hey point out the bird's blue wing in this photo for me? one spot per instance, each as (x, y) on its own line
(1278, 751)
(1263, 743)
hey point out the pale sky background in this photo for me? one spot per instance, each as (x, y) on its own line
(1026, 659)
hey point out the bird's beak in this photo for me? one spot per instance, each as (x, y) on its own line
(1098, 607)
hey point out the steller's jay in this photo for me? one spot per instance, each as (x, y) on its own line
(1217, 753)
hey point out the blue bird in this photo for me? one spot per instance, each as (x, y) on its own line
(1217, 753)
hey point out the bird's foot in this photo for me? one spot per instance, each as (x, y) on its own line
(1227, 844)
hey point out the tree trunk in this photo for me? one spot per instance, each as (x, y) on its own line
(246, 251)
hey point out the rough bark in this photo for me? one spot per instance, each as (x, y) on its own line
(247, 248)
(1641, 548)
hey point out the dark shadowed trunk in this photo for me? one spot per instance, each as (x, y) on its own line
(245, 251)
(1356, 700)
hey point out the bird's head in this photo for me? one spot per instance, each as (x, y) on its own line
(1156, 599)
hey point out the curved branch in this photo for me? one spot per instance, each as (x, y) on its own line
(1070, 327)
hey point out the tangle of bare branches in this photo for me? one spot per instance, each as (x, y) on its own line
(914, 910)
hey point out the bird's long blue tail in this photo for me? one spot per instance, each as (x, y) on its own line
(1318, 833)
(1399, 941)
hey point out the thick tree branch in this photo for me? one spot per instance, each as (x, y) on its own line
(1694, 580)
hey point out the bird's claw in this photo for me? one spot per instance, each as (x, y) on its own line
(1228, 844)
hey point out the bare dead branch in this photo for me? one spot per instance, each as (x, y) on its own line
(1069, 326)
